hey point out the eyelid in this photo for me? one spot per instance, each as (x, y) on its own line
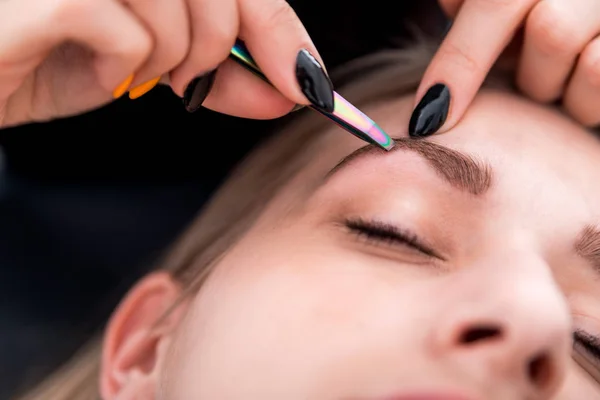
(584, 357)
(384, 232)
(587, 366)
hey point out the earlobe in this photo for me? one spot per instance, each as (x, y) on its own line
(137, 338)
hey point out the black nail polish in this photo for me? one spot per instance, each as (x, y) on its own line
(197, 91)
(313, 81)
(431, 112)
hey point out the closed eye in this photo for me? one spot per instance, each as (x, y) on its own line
(379, 232)
(586, 352)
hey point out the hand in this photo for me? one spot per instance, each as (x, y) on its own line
(63, 57)
(560, 57)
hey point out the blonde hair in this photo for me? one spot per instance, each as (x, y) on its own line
(242, 198)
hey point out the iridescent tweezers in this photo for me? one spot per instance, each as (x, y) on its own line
(344, 114)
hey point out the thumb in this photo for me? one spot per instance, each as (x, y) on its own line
(477, 38)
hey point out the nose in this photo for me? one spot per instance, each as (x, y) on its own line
(511, 326)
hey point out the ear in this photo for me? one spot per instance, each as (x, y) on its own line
(136, 339)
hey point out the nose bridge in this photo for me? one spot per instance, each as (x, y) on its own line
(519, 288)
(518, 285)
(539, 290)
(508, 315)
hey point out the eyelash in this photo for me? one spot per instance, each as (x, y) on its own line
(383, 233)
(380, 232)
(590, 343)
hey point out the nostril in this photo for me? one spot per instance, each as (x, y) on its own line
(540, 370)
(480, 333)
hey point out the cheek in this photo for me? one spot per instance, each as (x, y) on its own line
(578, 386)
(292, 316)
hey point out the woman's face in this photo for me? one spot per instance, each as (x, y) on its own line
(459, 266)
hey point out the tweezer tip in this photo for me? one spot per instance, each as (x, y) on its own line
(389, 143)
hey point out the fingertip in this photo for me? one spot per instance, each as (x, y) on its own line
(450, 7)
(123, 87)
(239, 93)
(140, 90)
(198, 90)
(314, 82)
(431, 112)
(112, 76)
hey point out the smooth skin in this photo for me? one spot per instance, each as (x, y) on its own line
(64, 57)
(559, 58)
(303, 308)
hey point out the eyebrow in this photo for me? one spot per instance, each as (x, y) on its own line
(587, 246)
(457, 169)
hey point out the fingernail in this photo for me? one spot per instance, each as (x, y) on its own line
(122, 88)
(431, 112)
(297, 107)
(142, 89)
(197, 91)
(314, 82)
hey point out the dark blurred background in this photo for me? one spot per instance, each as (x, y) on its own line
(88, 203)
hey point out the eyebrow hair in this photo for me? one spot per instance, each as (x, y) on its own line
(587, 245)
(459, 170)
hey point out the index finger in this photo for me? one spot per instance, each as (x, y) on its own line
(480, 32)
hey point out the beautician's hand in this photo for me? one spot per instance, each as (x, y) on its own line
(560, 57)
(64, 57)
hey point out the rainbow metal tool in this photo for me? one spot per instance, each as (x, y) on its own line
(344, 114)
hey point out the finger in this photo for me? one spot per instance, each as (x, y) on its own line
(120, 42)
(168, 23)
(284, 51)
(241, 94)
(556, 32)
(582, 97)
(214, 28)
(480, 32)
(450, 7)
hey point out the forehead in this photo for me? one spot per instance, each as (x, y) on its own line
(510, 131)
(536, 152)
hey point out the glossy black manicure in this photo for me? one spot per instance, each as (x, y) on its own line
(314, 82)
(431, 112)
(197, 91)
